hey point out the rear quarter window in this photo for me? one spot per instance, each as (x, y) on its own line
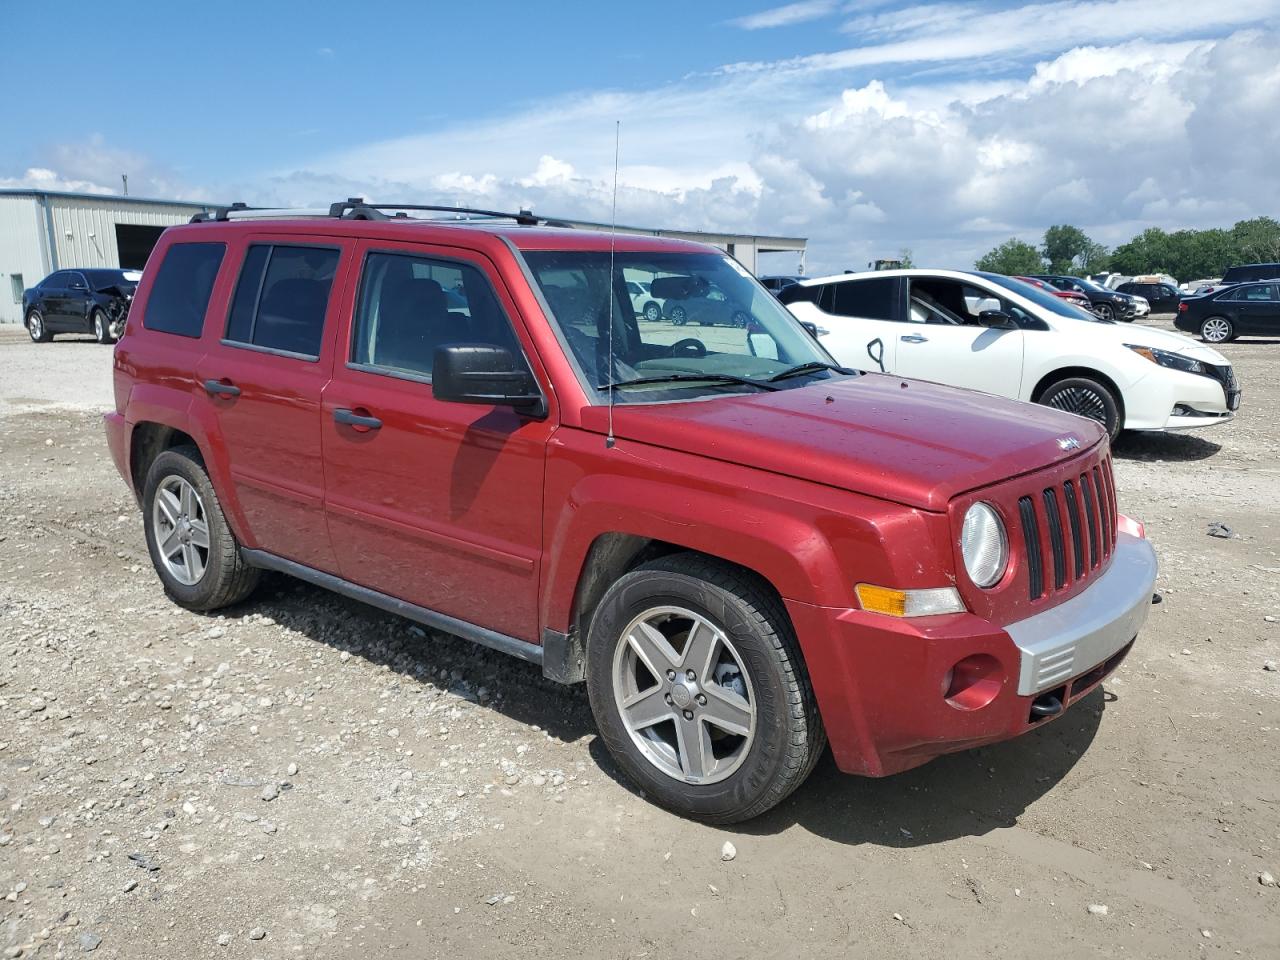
(875, 299)
(180, 294)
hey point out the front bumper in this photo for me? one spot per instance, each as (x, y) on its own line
(1174, 400)
(882, 684)
(1070, 639)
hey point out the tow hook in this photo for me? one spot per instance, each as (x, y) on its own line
(1046, 705)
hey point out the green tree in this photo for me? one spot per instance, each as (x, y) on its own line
(1069, 250)
(905, 256)
(1257, 240)
(1013, 257)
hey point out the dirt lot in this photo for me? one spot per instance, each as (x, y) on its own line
(305, 776)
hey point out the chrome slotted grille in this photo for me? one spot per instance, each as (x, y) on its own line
(1074, 550)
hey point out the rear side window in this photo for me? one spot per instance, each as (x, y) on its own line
(184, 282)
(411, 305)
(875, 299)
(281, 298)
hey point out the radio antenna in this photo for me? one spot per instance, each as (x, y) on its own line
(613, 233)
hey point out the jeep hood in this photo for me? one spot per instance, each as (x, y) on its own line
(907, 441)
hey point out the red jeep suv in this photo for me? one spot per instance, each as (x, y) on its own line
(744, 550)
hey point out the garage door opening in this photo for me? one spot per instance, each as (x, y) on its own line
(135, 243)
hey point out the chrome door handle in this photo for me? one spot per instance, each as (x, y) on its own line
(914, 338)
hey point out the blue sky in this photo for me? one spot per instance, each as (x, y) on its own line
(865, 126)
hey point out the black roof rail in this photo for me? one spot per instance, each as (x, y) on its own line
(355, 208)
(220, 213)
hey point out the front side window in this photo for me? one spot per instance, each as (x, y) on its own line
(720, 331)
(409, 306)
(180, 295)
(281, 298)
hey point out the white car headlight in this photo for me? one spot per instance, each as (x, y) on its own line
(984, 545)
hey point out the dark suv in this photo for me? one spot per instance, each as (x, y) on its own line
(745, 550)
(1107, 304)
(1248, 272)
(79, 301)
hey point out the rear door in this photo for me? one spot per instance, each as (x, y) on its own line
(436, 503)
(945, 344)
(263, 376)
(862, 318)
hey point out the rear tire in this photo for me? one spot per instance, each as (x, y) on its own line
(218, 572)
(652, 312)
(36, 327)
(1217, 330)
(747, 664)
(1086, 398)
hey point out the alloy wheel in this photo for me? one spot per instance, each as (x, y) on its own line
(684, 695)
(1105, 312)
(1081, 401)
(99, 327)
(181, 529)
(1215, 330)
(35, 326)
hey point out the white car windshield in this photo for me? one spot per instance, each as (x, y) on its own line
(719, 330)
(1042, 298)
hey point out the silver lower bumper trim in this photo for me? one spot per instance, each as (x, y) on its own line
(1071, 638)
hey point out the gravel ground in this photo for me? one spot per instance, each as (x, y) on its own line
(305, 776)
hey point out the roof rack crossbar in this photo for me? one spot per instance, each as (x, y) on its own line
(355, 208)
(221, 213)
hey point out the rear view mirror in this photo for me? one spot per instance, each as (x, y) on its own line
(678, 288)
(486, 374)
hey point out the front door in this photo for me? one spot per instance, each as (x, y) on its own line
(263, 374)
(56, 298)
(944, 343)
(435, 503)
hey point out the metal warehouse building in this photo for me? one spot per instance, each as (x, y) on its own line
(42, 231)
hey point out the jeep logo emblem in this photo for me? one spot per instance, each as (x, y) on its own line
(1068, 443)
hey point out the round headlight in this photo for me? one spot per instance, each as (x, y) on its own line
(984, 545)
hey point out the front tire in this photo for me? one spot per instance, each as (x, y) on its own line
(652, 312)
(699, 689)
(1105, 312)
(36, 327)
(1086, 398)
(101, 328)
(191, 545)
(1216, 330)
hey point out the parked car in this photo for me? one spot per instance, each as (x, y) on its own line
(1107, 304)
(990, 332)
(78, 301)
(777, 282)
(702, 303)
(1073, 297)
(1197, 288)
(642, 300)
(1161, 297)
(743, 549)
(1251, 271)
(1247, 309)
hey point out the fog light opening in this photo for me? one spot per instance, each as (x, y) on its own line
(973, 682)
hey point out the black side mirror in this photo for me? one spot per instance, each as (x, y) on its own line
(486, 374)
(810, 328)
(996, 319)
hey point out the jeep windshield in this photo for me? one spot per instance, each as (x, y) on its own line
(718, 330)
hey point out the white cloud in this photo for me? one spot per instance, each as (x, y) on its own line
(787, 15)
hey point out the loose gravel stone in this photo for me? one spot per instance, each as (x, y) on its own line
(257, 933)
(728, 851)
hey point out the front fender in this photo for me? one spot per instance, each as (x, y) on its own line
(810, 541)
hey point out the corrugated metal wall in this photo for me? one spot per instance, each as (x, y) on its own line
(22, 260)
(84, 230)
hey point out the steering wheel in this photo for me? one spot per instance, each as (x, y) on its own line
(689, 346)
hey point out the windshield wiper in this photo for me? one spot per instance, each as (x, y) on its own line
(690, 378)
(813, 366)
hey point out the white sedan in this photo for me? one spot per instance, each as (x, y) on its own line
(990, 332)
